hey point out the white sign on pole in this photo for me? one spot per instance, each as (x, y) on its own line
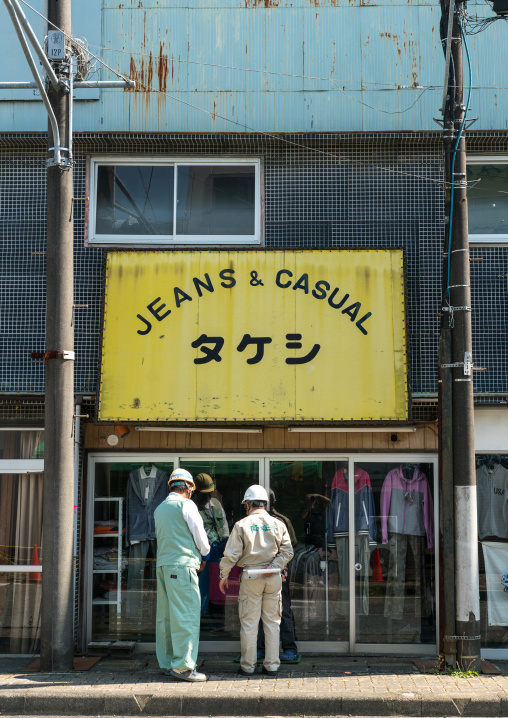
(56, 45)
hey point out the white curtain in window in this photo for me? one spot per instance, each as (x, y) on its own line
(22, 610)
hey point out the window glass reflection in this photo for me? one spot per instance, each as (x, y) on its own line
(220, 509)
(319, 593)
(124, 585)
(215, 200)
(135, 199)
(394, 553)
(488, 200)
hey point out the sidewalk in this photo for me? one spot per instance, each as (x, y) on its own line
(319, 685)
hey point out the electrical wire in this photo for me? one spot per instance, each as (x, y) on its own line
(71, 39)
(377, 109)
(275, 136)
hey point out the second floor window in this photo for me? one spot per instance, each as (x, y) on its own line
(183, 203)
(488, 200)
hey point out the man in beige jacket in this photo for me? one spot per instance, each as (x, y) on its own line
(257, 543)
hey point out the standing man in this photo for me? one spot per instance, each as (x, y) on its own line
(182, 551)
(287, 621)
(258, 542)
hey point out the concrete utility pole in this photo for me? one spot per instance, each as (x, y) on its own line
(57, 644)
(457, 428)
(57, 638)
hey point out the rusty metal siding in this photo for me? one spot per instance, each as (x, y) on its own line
(277, 66)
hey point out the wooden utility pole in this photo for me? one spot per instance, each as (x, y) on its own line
(457, 410)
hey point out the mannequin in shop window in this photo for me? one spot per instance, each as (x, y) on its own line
(147, 487)
(407, 521)
(365, 530)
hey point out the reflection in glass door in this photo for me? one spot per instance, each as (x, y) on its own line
(318, 573)
(220, 509)
(394, 552)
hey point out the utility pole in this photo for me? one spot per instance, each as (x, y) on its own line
(57, 640)
(458, 425)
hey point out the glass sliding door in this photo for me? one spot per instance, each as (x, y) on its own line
(220, 510)
(123, 585)
(363, 575)
(394, 565)
(305, 493)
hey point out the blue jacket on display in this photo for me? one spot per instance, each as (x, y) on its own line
(338, 511)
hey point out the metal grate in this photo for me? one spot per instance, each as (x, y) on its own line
(425, 411)
(336, 190)
(22, 411)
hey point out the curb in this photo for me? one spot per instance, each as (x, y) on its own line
(255, 702)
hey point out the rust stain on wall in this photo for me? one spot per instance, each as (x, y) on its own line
(150, 75)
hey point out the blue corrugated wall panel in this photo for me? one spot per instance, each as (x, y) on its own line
(273, 66)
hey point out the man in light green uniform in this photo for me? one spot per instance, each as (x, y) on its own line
(182, 550)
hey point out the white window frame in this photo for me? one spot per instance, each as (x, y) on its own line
(490, 240)
(173, 240)
(21, 466)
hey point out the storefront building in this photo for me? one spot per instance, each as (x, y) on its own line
(260, 305)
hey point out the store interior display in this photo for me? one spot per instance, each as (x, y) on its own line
(492, 508)
(407, 521)
(393, 554)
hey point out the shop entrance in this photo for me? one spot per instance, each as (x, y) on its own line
(364, 571)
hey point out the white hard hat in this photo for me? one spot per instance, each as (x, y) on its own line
(181, 475)
(255, 493)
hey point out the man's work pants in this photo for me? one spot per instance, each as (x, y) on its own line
(287, 624)
(260, 598)
(178, 617)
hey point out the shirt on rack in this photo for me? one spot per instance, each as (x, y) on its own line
(407, 506)
(492, 497)
(338, 512)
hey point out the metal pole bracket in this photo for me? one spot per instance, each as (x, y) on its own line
(54, 354)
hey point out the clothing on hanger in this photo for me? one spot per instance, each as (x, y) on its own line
(406, 505)
(140, 506)
(338, 511)
(492, 497)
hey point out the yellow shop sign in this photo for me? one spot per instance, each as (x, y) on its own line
(254, 336)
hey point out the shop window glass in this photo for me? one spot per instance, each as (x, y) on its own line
(319, 591)
(21, 445)
(124, 586)
(20, 612)
(492, 498)
(220, 510)
(20, 543)
(394, 551)
(134, 202)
